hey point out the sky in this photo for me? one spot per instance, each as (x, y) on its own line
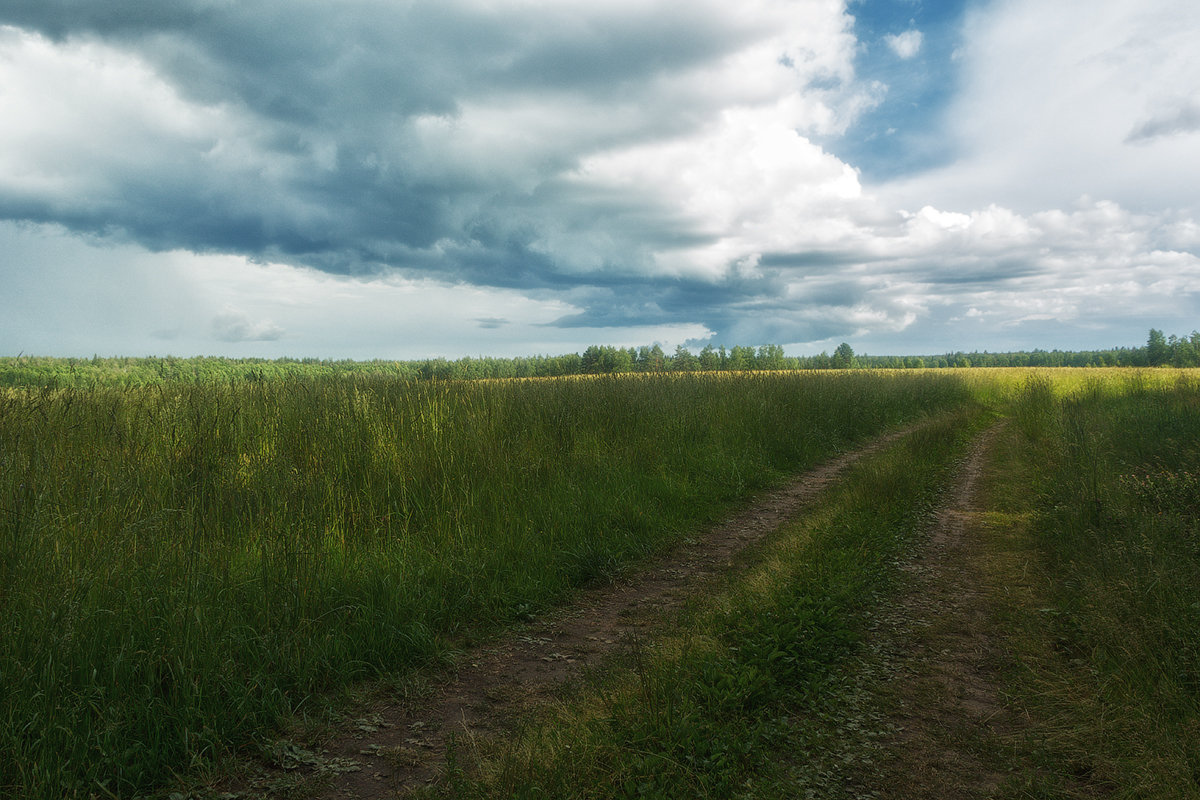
(416, 178)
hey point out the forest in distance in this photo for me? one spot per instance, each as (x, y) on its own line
(44, 371)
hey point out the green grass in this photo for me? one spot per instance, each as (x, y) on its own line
(184, 564)
(1111, 653)
(1090, 548)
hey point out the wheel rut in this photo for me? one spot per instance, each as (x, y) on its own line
(948, 706)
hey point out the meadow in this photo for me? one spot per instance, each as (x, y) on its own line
(773, 687)
(189, 563)
(183, 564)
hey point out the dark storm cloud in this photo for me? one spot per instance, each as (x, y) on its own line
(605, 59)
(333, 172)
(58, 18)
(649, 300)
(734, 311)
(813, 258)
(842, 294)
(310, 63)
(989, 273)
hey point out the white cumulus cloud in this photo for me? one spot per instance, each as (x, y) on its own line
(905, 45)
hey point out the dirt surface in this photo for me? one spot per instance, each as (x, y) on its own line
(953, 725)
(396, 747)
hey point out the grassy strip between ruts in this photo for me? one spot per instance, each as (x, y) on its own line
(726, 707)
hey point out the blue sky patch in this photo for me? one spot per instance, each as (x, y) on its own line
(908, 46)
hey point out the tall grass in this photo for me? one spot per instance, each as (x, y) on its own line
(1117, 529)
(183, 564)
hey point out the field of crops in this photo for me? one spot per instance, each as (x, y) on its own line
(183, 564)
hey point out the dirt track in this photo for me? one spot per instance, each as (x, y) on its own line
(398, 746)
(946, 685)
(952, 697)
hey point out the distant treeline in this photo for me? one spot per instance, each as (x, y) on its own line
(1160, 350)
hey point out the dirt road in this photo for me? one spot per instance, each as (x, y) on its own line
(943, 649)
(396, 746)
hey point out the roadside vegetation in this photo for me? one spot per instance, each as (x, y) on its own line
(1102, 489)
(184, 564)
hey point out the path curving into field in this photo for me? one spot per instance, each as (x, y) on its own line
(399, 746)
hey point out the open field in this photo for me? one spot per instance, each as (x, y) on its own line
(1036, 638)
(185, 566)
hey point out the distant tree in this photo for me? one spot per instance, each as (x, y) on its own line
(709, 360)
(591, 359)
(568, 364)
(1184, 352)
(683, 360)
(770, 356)
(620, 359)
(657, 359)
(740, 358)
(641, 361)
(1158, 352)
(843, 356)
(437, 369)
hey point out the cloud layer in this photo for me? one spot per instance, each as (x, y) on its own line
(663, 168)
